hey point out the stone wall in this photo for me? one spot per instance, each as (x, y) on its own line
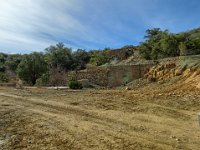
(120, 75)
(96, 75)
(112, 76)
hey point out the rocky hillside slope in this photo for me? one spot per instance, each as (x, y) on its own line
(185, 68)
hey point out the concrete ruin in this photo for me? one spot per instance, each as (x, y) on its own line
(112, 76)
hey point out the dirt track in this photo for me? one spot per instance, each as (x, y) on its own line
(153, 117)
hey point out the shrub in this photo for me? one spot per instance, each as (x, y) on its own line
(43, 80)
(3, 78)
(32, 67)
(74, 84)
(57, 78)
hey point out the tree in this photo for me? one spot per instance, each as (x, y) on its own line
(81, 58)
(13, 61)
(99, 57)
(159, 44)
(151, 48)
(183, 49)
(59, 57)
(151, 33)
(145, 50)
(2, 62)
(169, 46)
(193, 46)
(32, 67)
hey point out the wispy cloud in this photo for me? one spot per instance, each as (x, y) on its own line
(32, 25)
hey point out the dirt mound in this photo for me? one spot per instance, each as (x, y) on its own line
(187, 69)
(162, 72)
(193, 77)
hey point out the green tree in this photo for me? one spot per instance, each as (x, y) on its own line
(13, 61)
(183, 49)
(152, 33)
(169, 46)
(32, 67)
(2, 62)
(151, 48)
(100, 57)
(159, 44)
(145, 50)
(59, 57)
(193, 46)
(81, 58)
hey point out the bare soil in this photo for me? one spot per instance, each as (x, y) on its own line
(156, 116)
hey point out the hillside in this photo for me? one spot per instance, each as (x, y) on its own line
(181, 66)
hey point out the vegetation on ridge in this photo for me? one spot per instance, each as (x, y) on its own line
(161, 44)
(49, 67)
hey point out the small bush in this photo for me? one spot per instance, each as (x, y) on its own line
(74, 84)
(3, 78)
(43, 80)
(57, 78)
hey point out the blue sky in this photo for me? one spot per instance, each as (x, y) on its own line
(33, 25)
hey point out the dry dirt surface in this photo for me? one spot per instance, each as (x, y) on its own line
(157, 116)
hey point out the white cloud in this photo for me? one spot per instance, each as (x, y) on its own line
(35, 24)
(23, 21)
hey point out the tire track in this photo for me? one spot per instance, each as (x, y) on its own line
(57, 108)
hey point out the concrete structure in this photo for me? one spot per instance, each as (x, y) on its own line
(112, 76)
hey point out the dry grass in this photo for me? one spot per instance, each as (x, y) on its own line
(157, 116)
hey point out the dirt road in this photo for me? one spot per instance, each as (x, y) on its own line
(152, 117)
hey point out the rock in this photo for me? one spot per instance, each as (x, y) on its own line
(178, 72)
(173, 137)
(85, 82)
(2, 142)
(178, 140)
(19, 84)
(128, 88)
